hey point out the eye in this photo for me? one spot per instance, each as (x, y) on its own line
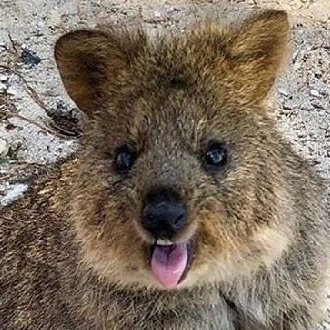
(215, 156)
(124, 159)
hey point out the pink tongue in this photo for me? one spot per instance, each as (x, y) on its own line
(168, 264)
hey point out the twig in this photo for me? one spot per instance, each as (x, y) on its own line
(12, 43)
(36, 98)
(42, 127)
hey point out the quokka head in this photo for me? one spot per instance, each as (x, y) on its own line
(178, 176)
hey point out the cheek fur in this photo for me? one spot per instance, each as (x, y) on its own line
(112, 249)
(232, 246)
(105, 231)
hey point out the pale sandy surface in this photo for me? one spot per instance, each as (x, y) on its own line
(29, 141)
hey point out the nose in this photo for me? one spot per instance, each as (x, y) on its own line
(163, 219)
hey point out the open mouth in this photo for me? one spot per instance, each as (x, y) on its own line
(170, 262)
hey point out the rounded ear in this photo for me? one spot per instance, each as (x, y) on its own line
(257, 49)
(89, 59)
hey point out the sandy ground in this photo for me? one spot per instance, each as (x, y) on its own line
(39, 124)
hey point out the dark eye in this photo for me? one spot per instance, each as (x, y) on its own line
(215, 156)
(124, 159)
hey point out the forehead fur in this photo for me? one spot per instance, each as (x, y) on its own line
(238, 64)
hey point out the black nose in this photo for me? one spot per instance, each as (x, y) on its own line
(164, 219)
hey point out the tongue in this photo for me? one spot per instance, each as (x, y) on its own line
(168, 264)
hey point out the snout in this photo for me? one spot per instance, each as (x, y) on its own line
(164, 219)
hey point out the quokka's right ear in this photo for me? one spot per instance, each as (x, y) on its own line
(90, 60)
(257, 49)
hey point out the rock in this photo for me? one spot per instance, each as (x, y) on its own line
(283, 92)
(3, 87)
(16, 144)
(317, 104)
(3, 148)
(54, 18)
(324, 125)
(11, 91)
(10, 127)
(15, 192)
(40, 25)
(315, 93)
(30, 58)
(3, 77)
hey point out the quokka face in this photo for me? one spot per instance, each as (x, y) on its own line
(177, 184)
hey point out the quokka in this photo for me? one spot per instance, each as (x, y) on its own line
(184, 208)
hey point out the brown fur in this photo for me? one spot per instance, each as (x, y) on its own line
(72, 252)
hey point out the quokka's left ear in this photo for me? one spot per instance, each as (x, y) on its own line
(89, 61)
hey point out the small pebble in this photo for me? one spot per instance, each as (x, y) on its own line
(317, 104)
(11, 91)
(10, 127)
(315, 93)
(40, 24)
(283, 92)
(16, 191)
(3, 77)
(157, 14)
(16, 145)
(323, 124)
(54, 18)
(3, 87)
(29, 57)
(3, 148)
